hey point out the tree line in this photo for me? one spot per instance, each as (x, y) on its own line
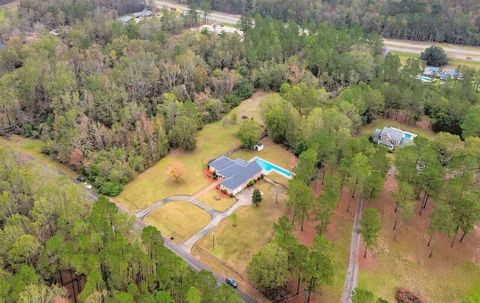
(47, 226)
(427, 20)
(110, 99)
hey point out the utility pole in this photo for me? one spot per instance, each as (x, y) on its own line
(213, 238)
(276, 194)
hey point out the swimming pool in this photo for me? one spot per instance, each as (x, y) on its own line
(268, 167)
(408, 136)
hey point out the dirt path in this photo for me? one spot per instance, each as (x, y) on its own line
(352, 271)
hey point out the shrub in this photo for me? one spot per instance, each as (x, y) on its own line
(111, 188)
(405, 296)
(435, 56)
(243, 89)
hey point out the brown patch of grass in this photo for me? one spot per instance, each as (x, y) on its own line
(221, 204)
(177, 219)
(448, 276)
(236, 245)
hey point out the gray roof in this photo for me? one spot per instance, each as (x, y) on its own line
(393, 133)
(376, 133)
(241, 162)
(221, 163)
(244, 175)
(230, 171)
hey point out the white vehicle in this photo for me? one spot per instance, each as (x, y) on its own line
(87, 186)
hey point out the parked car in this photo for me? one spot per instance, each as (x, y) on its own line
(81, 179)
(232, 282)
(87, 186)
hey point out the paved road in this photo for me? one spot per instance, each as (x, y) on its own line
(416, 47)
(139, 225)
(213, 15)
(406, 46)
(352, 271)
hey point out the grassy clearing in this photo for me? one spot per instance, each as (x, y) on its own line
(180, 220)
(33, 148)
(368, 129)
(236, 245)
(217, 200)
(213, 140)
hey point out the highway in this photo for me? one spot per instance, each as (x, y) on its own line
(411, 47)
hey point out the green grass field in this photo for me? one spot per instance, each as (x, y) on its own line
(236, 245)
(180, 220)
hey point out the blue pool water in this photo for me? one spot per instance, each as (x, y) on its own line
(407, 136)
(267, 166)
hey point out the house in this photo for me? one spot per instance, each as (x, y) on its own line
(442, 74)
(392, 137)
(236, 174)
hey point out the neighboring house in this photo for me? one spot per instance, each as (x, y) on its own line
(236, 173)
(442, 74)
(392, 137)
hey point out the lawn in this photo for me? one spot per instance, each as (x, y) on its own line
(217, 200)
(271, 152)
(448, 276)
(180, 220)
(213, 140)
(380, 123)
(236, 245)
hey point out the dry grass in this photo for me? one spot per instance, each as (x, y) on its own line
(236, 245)
(271, 152)
(180, 220)
(448, 276)
(223, 202)
(213, 140)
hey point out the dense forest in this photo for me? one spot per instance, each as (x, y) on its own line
(110, 99)
(449, 21)
(49, 228)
